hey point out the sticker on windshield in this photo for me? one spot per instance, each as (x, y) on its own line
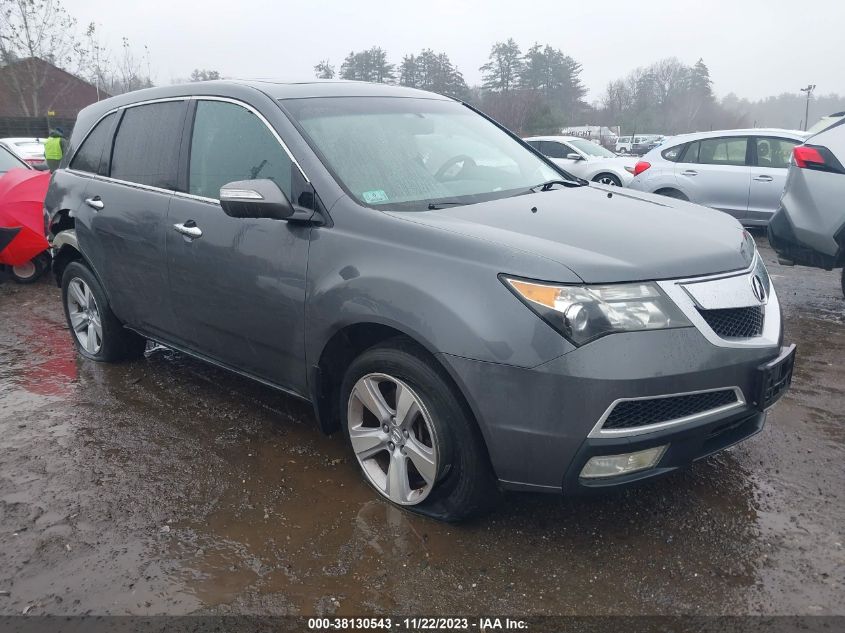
(375, 196)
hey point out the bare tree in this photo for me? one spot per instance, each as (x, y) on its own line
(33, 30)
(324, 70)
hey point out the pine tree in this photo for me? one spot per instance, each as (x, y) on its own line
(433, 72)
(503, 70)
(368, 65)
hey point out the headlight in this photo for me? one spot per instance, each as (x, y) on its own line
(584, 313)
(748, 247)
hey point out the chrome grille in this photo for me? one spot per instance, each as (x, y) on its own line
(631, 414)
(735, 322)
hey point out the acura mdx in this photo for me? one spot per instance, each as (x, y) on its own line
(472, 317)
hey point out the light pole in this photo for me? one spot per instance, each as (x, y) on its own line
(809, 90)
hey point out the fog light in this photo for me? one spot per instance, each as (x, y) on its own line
(612, 465)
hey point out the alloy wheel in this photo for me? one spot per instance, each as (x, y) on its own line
(84, 316)
(393, 438)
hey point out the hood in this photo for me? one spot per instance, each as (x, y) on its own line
(604, 234)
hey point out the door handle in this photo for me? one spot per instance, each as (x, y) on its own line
(762, 178)
(689, 172)
(189, 229)
(95, 203)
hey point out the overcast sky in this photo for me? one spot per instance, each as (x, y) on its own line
(753, 48)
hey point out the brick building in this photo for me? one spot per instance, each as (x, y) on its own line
(36, 95)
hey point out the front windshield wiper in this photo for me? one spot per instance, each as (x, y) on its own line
(433, 206)
(546, 186)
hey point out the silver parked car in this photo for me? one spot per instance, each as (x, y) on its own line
(809, 227)
(741, 172)
(585, 159)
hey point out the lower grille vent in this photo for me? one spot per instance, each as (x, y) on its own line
(630, 414)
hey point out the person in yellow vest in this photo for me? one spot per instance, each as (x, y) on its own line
(54, 148)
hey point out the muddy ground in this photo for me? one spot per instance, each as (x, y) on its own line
(166, 486)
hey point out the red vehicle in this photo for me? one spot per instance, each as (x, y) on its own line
(23, 246)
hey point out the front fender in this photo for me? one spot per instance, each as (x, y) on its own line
(440, 288)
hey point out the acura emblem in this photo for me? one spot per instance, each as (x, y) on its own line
(758, 288)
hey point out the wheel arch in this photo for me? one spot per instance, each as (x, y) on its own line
(606, 172)
(666, 191)
(342, 347)
(66, 250)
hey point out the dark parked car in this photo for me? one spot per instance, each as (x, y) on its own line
(470, 316)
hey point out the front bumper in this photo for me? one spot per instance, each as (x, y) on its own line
(536, 421)
(686, 445)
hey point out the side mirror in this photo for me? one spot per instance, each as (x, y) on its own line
(260, 198)
(574, 156)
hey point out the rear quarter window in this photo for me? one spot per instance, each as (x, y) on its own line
(89, 157)
(673, 153)
(146, 146)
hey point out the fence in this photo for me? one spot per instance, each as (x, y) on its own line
(37, 127)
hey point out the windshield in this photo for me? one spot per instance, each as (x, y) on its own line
(825, 122)
(591, 149)
(9, 161)
(408, 153)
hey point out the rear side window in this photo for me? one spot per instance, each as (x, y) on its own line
(146, 146)
(717, 151)
(673, 153)
(553, 149)
(231, 143)
(774, 152)
(89, 157)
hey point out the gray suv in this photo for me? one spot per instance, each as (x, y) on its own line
(469, 315)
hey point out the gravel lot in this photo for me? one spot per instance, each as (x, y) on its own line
(166, 486)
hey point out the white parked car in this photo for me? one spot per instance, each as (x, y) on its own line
(31, 150)
(637, 144)
(741, 172)
(585, 159)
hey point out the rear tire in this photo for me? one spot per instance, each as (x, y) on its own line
(455, 480)
(31, 271)
(96, 331)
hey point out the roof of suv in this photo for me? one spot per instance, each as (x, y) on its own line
(270, 88)
(333, 88)
(759, 131)
(278, 90)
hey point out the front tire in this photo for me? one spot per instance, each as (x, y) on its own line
(412, 435)
(96, 331)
